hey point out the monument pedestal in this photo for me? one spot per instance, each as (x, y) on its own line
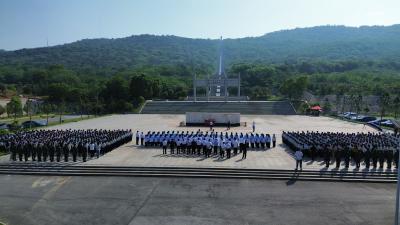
(218, 119)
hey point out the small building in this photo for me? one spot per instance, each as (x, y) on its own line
(315, 110)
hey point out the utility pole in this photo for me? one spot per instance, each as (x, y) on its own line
(29, 106)
(396, 220)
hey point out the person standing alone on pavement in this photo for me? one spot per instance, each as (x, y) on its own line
(273, 140)
(298, 155)
(254, 126)
(137, 137)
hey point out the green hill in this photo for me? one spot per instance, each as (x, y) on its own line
(374, 43)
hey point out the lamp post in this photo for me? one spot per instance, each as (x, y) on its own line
(396, 221)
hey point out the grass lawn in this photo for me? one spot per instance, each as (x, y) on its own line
(25, 118)
(72, 120)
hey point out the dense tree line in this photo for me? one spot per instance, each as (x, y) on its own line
(126, 90)
(65, 90)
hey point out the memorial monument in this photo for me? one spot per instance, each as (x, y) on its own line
(217, 85)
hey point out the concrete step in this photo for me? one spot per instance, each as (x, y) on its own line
(248, 107)
(309, 175)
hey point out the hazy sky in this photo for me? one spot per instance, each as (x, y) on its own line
(28, 23)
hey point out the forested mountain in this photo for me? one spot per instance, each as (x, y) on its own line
(375, 43)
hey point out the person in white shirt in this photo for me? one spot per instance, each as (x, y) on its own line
(165, 145)
(222, 150)
(209, 147)
(137, 137)
(235, 144)
(98, 150)
(91, 150)
(298, 155)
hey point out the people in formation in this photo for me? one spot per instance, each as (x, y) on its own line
(205, 143)
(376, 150)
(62, 145)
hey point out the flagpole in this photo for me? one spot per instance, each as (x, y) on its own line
(396, 220)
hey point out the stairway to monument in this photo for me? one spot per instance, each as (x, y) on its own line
(244, 107)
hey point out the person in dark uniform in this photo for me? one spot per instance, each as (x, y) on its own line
(13, 149)
(66, 152)
(20, 151)
(34, 151)
(389, 158)
(357, 157)
(40, 152)
(313, 152)
(25, 150)
(396, 159)
(338, 157)
(327, 156)
(381, 158)
(45, 153)
(52, 150)
(346, 156)
(172, 146)
(367, 158)
(375, 156)
(244, 151)
(84, 152)
(58, 151)
(194, 146)
(74, 150)
(141, 139)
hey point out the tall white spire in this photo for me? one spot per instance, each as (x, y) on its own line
(220, 58)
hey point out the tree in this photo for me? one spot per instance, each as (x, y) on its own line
(327, 106)
(358, 102)
(366, 109)
(14, 107)
(47, 108)
(116, 88)
(142, 85)
(384, 101)
(396, 106)
(2, 110)
(115, 94)
(294, 88)
(28, 108)
(260, 93)
(288, 88)
(61, 109)
(3, 89)
(58, 92)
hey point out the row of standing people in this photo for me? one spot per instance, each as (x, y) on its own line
(206, 143)
(374, 149)
(60, 145)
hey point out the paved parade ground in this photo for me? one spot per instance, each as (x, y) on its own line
(277, 158)
(88, 200)
(32, 200)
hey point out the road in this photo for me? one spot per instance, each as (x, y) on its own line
(123, 200)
